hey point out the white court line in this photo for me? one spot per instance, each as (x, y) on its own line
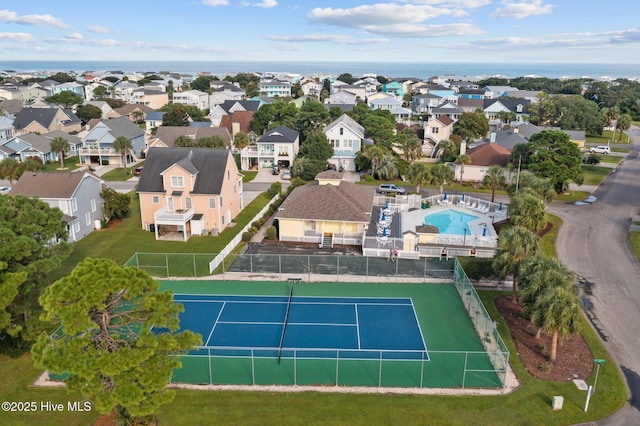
(415, 315)
(215, 323)
(357, 324)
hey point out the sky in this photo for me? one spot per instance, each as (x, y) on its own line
(515, 31)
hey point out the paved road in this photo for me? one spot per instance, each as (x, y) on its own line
(594, 242)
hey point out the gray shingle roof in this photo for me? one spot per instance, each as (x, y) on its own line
(26, 116)
(169, 134)
(208, 163)
(49, 184)
(122, 126)
(279, 134)
(345, 202)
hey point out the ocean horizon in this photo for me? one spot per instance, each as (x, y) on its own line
(422, 70)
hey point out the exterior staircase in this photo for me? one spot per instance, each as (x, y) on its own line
(327, 241)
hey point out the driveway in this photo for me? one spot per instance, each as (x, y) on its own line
(594, 242)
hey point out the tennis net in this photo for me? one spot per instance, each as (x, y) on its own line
(286, 321)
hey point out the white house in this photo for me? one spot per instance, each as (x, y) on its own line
(274, 87)
(277, 147)
(345, 135)
(194, 98)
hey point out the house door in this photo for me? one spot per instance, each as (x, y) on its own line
(170, 204)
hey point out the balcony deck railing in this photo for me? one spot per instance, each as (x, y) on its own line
(162, 216)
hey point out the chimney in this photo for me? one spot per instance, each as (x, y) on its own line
(463, 147)
(515, 130)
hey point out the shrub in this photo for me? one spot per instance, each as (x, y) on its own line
(274, 189)
(246, 236)
(369, 178)
(477, 268)
(271, 233)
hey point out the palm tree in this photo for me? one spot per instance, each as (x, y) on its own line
(122, 145)
(526, 209)
(240, 140)
(387, 168)
(537, 273)
(441, 174)
(494, 179)
(374, 153)
(462, 159)
(557, 311)
(515, 244)
(623, 124)
(60, 145)
(10, 169)
(418, 174)
(411, 148)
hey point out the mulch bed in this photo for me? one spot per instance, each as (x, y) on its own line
(573, 357)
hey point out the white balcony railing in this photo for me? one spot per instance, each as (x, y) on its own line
(162, 216)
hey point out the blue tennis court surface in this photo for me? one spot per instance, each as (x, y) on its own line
(315, 326)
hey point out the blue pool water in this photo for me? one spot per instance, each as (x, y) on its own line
(450, 221)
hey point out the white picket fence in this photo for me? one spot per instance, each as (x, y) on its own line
(236, 240)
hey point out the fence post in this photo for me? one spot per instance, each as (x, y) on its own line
(337, 369)
(295, 369)
(224, 271)
(280, 266)
(210, 371)
(464, 372)
(166, 262)
(137, 261)
(337, 269)
(366, 277)
(253, 369)
(308, 268)
(195, 270)
(422, 369)
(251, 263)
(380, 371)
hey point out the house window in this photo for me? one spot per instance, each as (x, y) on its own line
(87, 218)
(187, 203)
(93, 205)
(348, 144)
(155, 199)
(222, 217)
(434, 130)
(170, 204)
(63, 206)
(76, 225)
(74, 204)
(234, 189)
(228, 175)
(177, 181)
(220, 201)
(341, 131)
(212, 203)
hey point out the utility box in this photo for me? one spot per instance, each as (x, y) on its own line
(556, 403)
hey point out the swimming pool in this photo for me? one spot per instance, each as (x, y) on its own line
(450, 221)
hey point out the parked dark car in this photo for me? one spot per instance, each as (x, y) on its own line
(389, 188)
(138, 171)
(275, 170)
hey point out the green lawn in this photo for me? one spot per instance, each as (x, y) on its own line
(616, 149)
(594, 175)
(70, 164)
(548, 240)
(606, 137)
(120, 173)
(528, 405)
(635, 243)
(121, 240)
(571, 196)
(610, 158)
(248, 175)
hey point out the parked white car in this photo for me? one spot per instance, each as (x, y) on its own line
(600, 149)
(5, 190)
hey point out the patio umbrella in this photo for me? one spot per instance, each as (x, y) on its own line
(500, 208)
(384, 232)
(463, 196)
(484, 232)
(445, 195)
(383, 217)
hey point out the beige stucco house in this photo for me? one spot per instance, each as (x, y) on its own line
(329, 211)
(189, 191)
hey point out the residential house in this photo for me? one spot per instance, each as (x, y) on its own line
(493, 92)
(33, 92)
(277, 147)
(124, 89)
(448, 109)
(471, 94)
(153, 119)
(274, 87)
(31, 145)
(312, 88)
(447, 93)
(394, 88)
(345, 135)
(436, 130)
(238, 121)
(107, 111)
(77, 194)
(6, 129)
(11, 108)
(388, 102)
(424, 104)
(229, 107)
(342, 97)
(193, 98)
(225, 91)
(328, 211)
(167, 135)
(153, 99)
(189, 191)
(43, 120)
(493, 107)
(470, 104)
(482, 157)
(529, 95)
(11, 91)
(74, 87)
(75, 142)
(360, 91)
(133, 112)
(98, 143)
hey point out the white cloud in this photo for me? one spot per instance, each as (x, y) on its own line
(98, 29)
(326, 38)
(267, 4)
(215, 2)
(74, 36)
(376, 15)
(522, 10)
(470, 4)
(289, 47)
(18, 37)
(37, 20)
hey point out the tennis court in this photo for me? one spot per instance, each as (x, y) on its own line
(344, 334)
